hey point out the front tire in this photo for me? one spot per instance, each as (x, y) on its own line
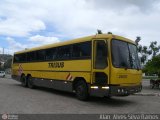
(82, 90)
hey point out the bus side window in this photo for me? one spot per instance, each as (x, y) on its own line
(76, 51)
(100, 54)
(63, 53)
(23, 57)
(16, 59)
(50, 54)
(31, 56)
(81, 50)
(41, 55)
(19, 58)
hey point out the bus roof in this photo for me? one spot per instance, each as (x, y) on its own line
(78, 40)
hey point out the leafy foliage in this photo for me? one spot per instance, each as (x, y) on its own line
(144, 51)
(8, 63)
(153, 66)
(7, 60)
(154, 48)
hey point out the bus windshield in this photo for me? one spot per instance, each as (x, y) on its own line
(124, 55)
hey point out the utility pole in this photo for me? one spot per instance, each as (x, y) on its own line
(3, 50)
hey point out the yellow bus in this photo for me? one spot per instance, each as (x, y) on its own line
(99, 65)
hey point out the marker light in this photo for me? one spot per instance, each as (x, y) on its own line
(119, 90)
(105, 87)
(94, 87)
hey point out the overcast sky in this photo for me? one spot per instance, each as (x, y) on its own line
(30, 23)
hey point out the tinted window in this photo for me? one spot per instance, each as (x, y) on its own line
(50, 54)
(100, 54)
(124, 55)
(120, 54)
(16, 58)
(41, 55)
(31, 56)
(75, 51)
(81, 50)
(20, 58)
(135, 63)
(63, 52)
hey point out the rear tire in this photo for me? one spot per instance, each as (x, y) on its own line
(30, 82)
(23, 81)
(82, 90)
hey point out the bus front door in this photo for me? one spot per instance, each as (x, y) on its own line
(100, 64)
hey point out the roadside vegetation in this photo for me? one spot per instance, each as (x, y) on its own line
(5, 61)
(150, 59)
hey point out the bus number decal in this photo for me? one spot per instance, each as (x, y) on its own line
(122, 76)
(56, 65)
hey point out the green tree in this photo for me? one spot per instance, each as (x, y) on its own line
(8, 63)
(153, 66)
(154, 48)
(143, 51)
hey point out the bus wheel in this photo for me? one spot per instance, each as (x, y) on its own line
(81, 90)
(23, 81)
(30, 82)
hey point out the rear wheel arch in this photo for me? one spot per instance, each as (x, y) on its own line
(76, 80)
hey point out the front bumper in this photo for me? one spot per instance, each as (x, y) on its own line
(124, 91)
(101, 91)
